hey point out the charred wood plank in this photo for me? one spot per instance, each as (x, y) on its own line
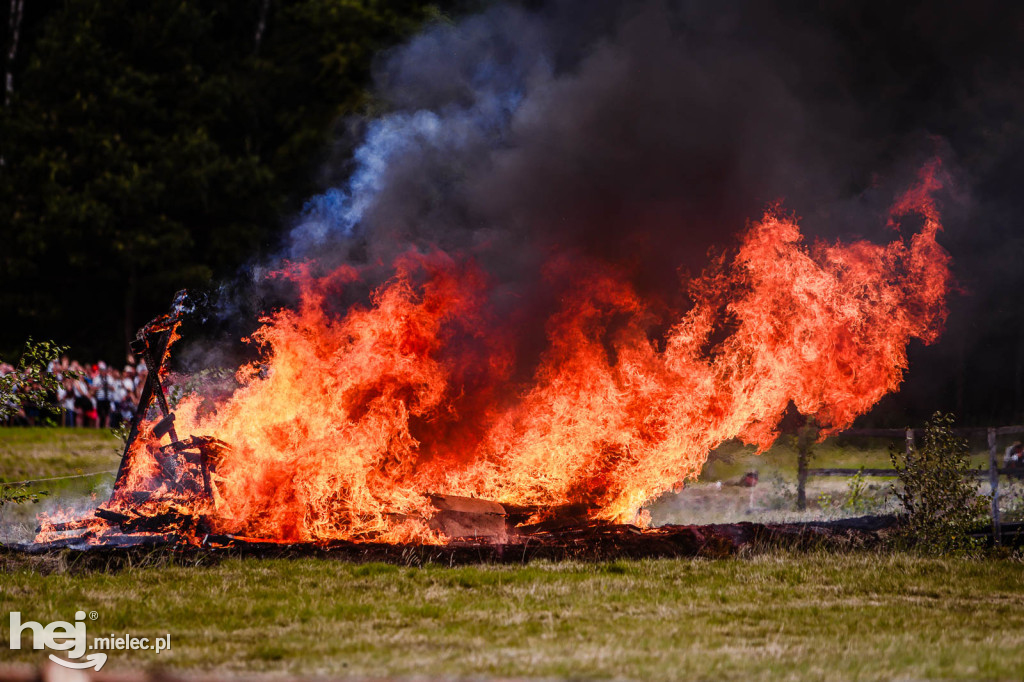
(545, 519)
(468, 518)
(164, 426)
(156, 523)
(112, 516)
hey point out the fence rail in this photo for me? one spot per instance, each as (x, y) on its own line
(902, 433)
(993, 472)
(891, 473)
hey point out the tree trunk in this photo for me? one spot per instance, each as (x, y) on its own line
(960, 377)
(129, 312)
(1018, 378)
(261, 26)
(14, 33)
(804, 447)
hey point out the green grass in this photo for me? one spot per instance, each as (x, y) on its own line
(85, 456)
(817, 616)
(31, 453)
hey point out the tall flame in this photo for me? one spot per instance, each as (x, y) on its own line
(350, 418)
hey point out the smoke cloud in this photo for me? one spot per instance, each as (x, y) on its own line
(650, 130)
(647, 133)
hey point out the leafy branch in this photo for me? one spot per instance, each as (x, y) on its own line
(31, 382)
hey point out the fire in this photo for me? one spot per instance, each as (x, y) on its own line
(351, 417)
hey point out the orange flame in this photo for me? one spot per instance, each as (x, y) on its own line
(351, 418)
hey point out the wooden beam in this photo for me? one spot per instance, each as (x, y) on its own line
(993, 468)
(965, 431)
(876, 433)
(889, 473)
(852, 472)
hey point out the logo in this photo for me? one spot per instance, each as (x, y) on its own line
(72, 638)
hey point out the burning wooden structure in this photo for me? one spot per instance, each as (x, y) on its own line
(473, 528)
(409, 419)
(174, 513)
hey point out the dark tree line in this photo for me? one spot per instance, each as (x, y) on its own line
(151, 146)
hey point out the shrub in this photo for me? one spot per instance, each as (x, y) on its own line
(31, 383)
(941, 504)
(861, 498)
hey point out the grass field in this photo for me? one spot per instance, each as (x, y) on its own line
(29, 453)
(783, 615)
(812, 616)
(81, 460)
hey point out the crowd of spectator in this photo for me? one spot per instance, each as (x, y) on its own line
(87, 396)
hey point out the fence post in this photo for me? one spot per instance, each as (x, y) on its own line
(993, 477)
(801, 481)
(910, 442)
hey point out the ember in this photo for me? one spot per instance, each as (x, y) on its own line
(401, 421)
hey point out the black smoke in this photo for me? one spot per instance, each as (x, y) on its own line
(647, 133)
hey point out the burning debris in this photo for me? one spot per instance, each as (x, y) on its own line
(403, 421)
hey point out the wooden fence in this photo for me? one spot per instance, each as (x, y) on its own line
(993, 472)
